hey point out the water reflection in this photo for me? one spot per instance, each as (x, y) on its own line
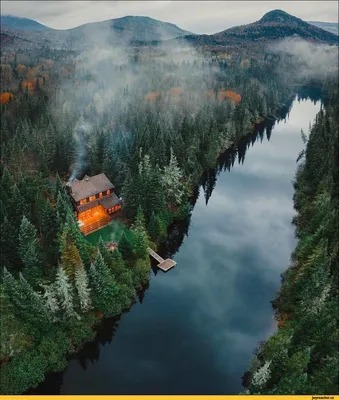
(198, 325)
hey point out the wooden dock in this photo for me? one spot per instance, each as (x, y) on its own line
(164, 265)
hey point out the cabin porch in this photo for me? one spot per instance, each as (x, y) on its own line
(93, 219)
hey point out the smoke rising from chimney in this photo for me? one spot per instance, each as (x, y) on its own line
(81, 131)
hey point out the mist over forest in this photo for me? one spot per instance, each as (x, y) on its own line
(153, 115)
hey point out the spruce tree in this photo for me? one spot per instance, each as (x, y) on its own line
(140, 237)
(25, 303)
(104, 289)
(29, 250)
(6, 185)
(37, 312)
(65, 293)
(125, 247)
(157, 229)
(171, 181)
(83, 289)
(8, 236)
(51, 300)
(70, 259)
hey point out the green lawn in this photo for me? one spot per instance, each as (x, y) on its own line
(111, 232)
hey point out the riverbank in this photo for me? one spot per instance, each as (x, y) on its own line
(302, 356)
(173, 277)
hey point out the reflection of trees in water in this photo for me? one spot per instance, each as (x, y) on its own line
(178, 230)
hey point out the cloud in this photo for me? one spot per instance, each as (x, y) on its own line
(198, 16)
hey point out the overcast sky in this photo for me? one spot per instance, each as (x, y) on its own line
(194, 16)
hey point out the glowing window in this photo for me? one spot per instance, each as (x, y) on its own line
(91, 198)
(108, 191)
(100, 194)
(83, 201)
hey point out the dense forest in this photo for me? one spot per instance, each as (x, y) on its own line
(153, 124)
(302, 357)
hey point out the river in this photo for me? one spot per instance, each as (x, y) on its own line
(194, 329)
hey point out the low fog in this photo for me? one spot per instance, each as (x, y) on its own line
(112, 77)
(309, 60)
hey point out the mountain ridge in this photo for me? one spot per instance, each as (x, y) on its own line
(274, 25)
(143, 30)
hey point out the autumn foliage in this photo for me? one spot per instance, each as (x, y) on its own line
(29, 85)
(225, 94)
(5, 97)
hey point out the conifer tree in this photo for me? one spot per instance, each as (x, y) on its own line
(171, 181)
(140, 237)
(49, 230)
(51, 300)
(29, 250)
(62, 210)
(65, 293)
(104, 289)
(70, 259)
(37, 312)
(8, 236)
(83, 289)
(25, 303)
(125, 247)
(6, 185)
(59, 187)
(157, 229)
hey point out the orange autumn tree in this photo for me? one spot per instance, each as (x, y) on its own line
(232, 95)
(152, 96)
(6, 97)
(28, 85)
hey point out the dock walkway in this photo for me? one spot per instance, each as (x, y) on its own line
(164, 265)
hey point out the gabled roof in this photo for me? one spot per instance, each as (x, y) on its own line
(90, 186)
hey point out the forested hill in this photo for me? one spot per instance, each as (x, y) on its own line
(302, 357)
(119, 31)
(274, 25)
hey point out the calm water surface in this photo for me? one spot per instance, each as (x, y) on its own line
(198, 324)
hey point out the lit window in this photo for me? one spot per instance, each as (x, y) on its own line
(91, 198)
(83, 201)
(108, 191)
(100, 194)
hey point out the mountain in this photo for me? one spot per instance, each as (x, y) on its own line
(21, 24)
(132, 28)
(18, 33)
(327, 26)
(274, 25)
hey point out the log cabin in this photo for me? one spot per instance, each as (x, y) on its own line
(94, 201)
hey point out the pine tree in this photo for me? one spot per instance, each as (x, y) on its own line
(25, 303)
(104, 289)
(65, 293)
(37, 310)
(157, 229)
(171, 181)
(29, 250)
(125, 247)
(140, 237)
(70, 259)
(85, 249)
(59, 188)
(6, 185)
(49, 230)
(83, 289)
(51, 300)
(62, 210)
(8, 236)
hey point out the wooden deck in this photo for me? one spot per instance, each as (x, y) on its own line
(164, 265)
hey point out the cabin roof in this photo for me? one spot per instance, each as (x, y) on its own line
(90, 186)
